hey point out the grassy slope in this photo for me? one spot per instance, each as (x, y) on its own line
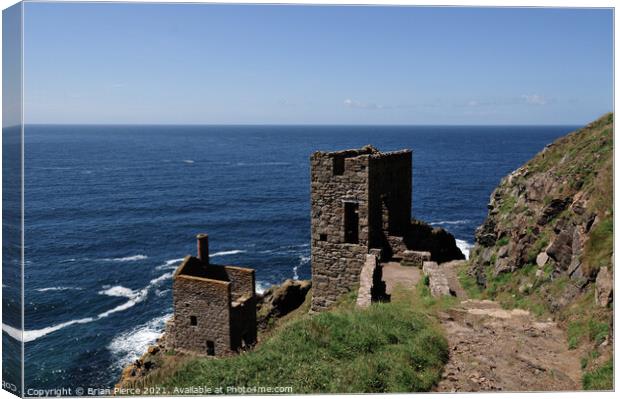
(583, 160)
(390, 347)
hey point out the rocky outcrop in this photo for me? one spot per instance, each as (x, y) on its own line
(604, 286)
(141, 367)
(553, 218)
(423, 237)
(279, 300)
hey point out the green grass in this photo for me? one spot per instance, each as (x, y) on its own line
(503, 241)
(541, 242)
(422, 301)
(600, 245)
(600, 379)
(585, 361)
(587, 323)
(594, 331)
(507, 204)
(469, 283)
(390, 347)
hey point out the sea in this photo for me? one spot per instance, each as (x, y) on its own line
(110, 211)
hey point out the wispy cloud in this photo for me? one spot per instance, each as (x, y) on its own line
(534, 99)
(529, 99)
(363, 105)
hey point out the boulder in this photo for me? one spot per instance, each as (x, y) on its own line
(279, 300)
(153, 349)
(485, 255)
(604, 286)
(485, 234)
(502, 266)
(542, 259)
(561, 249)
(502, 252)
(553, 209)
(421, 236)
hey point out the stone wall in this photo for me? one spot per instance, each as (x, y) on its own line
(336, 178)
(209, 301)
(380, 185)
(214, 308)
(389, 195)
(243, 323)
(437, 279)
(242, 281)
(364, 293)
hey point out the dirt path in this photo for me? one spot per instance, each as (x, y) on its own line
(394, 274)
(494, 349)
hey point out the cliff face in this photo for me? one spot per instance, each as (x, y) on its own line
(547, 243)
(554, 214)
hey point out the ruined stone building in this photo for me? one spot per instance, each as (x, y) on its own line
(361, 205)
(214, 306)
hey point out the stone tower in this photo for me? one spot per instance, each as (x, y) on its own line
(214, 306)
(360, 204)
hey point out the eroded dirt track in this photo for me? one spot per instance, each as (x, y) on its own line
(493, 349)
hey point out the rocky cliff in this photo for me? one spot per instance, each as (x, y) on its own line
(547, 243)
(555, 213)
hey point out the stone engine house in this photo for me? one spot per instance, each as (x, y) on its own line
(360, 205)
(214, 306)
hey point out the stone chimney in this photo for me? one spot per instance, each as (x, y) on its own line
(203, 247)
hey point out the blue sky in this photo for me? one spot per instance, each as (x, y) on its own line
(221, 64)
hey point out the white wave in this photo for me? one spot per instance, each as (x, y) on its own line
(135, 297)
(170, 264)
(161, 278)
(451, 222)
(263, 163)
(223, 253)
(303, 260)
(127, 258)
(13, 332)
(261, 286)
(287, 249)
(31, 335)
(118, 291)
(131, 344)
(58, 289)
(188, 161)
(464, 246)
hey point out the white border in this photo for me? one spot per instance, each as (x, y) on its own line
(479, 3)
